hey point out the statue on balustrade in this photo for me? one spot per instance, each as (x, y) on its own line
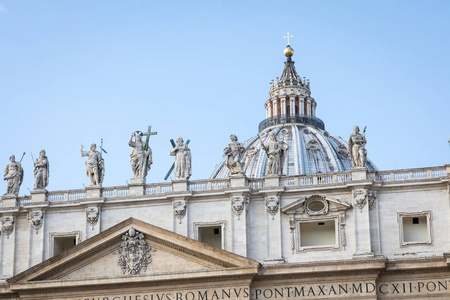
(234, 154)
(276, 153)
(140, 158)
(356, 148)
(14, 177)
(41, 171)
(95, 165)
(182, 160)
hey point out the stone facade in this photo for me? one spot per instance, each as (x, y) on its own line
(351, 233)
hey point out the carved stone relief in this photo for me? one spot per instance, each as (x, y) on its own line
(36, 219)
(272, 204)
(134, 252)
(8, 225)
(179, 209)
(92, 214)
(359, 198)
(238, 204)
(316, 205)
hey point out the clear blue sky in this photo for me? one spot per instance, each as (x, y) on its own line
(73, 72)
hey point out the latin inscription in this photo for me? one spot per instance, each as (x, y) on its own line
(295, 291)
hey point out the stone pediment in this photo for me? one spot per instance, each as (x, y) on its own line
(133, 252)
(315, 205)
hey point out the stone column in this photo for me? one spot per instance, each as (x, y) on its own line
(36, 215)
(292, 112)
(314, 104)
(8, 242)
(273, 224)
(275, 107)
(302, 106)
(308, 107)
(283, 106)
(239, 204)
(363, 245)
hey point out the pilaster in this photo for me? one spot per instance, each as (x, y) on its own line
(180, 214)
(36, 216)
(93, 217)
(363, 245)
(283, 106)
(239, 206)
(272, 201)
(8, 242)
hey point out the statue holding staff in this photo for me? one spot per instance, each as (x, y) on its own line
(182, 160)
(141, 157)
(95, 165)
(14, 176)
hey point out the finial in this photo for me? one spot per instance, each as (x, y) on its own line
(287, 37)
(288, 51)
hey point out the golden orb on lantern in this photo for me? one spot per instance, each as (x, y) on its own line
(288, 51)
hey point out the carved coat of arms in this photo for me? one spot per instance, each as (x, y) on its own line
(134, 252)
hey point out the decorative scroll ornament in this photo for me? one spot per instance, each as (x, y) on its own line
(134, 253)
(179, 209)
(8, 225)
(36, 220)
(272, 205)
(238, 205)
(372, 195)
(92, 216)
(360, 198)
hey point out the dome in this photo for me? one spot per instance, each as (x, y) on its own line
(291, 117)
(310, 150)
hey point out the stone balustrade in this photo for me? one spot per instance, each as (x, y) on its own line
(198, 186)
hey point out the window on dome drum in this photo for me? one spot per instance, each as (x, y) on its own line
(61, 242)
(318, 233)
(415, 228)
(210, 234)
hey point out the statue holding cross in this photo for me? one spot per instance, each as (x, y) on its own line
(182, 163)
(141, 157)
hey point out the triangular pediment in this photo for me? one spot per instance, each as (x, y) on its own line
(168, 256)
(304, 204)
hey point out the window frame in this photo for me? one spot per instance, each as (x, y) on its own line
(337, 232)
(427, 214)
(223, 227)
(53, 235)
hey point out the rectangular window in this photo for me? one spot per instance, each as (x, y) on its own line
(321, 233)
(211, 236)
(62, 244)
(63, 241)
(415, 228)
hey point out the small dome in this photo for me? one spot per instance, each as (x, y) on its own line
(288, 51)
(311, 150)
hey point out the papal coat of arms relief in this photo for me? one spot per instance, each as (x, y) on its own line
(134, 252)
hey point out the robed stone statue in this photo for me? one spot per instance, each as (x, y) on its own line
(234, 154)
(41, 171)
(357, 148)
(139, 156)
(182, 160)
(14, 177)
(276, 153)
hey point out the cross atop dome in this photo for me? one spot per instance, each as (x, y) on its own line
(287, 37)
